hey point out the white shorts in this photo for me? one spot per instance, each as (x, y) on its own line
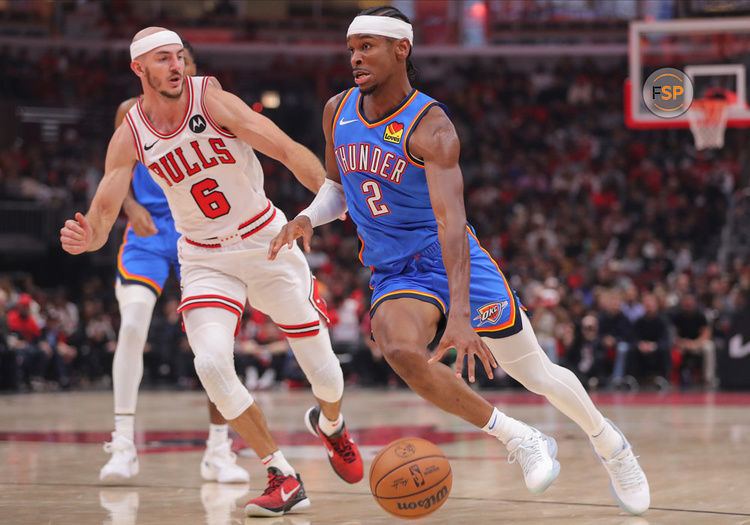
(226, 275)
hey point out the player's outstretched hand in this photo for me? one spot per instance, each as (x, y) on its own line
(465, 340)
(76, 235)
(300, 226)
(141, 220)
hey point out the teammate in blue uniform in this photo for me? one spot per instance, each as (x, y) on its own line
(148, 251)
(392, 157)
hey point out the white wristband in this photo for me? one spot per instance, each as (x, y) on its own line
(328, 205)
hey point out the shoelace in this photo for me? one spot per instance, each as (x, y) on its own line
(274, 482)
(527, 452)
(627, 471)
(343, 447)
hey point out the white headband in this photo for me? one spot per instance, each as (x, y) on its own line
(380, 25)
(151, 42)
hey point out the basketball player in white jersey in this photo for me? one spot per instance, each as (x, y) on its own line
(197, 141)
(143, 263)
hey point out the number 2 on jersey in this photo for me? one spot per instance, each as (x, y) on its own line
(372, 188)
(212, 203)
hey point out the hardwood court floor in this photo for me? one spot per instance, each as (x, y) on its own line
(693, 447)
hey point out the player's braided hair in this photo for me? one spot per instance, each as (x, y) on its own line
(387, 10)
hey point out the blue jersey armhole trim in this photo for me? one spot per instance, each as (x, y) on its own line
(345, 95)
(414, 125)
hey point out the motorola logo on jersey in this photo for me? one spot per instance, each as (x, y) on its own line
(369, 158)
(197, 124)
(170, 166)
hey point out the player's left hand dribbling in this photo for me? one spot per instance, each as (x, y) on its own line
(467, 343)
(75, 235)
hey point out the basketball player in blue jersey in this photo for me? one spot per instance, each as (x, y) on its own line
(392, 159)
(148, 250)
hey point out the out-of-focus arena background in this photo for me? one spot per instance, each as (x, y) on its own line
(588, 217)
(609, 222)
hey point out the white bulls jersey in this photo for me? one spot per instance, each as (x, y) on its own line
(212, 180)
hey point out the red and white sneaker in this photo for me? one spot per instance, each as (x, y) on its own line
(343, 454)
(283, 494)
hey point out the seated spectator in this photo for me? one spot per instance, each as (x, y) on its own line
(24, 340)
(53, 343)
(95, 341)
(615, 333)
(631, 307)
(649, 357)
(693, 348)
(583, 352)
(8, 362)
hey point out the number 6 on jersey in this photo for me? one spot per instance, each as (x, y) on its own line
(212, 203)
(372, 188)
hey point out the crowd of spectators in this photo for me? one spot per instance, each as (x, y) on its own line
(610, 236)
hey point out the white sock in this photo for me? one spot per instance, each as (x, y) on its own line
(125, 425)
(607, 442)
(278, 460)
(504, 427)
(329, 427)
(217, 434)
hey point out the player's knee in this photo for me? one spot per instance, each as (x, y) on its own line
(540, 379)
(222, 385)
(320, 365)
(132, 334)
(327, 381)
(402, 357)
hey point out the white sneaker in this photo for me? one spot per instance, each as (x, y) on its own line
(536, 454)
(219, 463)
(627, 482)
(123, 464)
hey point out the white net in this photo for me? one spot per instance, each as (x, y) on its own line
(708, 122)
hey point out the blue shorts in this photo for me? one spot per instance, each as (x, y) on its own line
(146, 260)
(495, 309)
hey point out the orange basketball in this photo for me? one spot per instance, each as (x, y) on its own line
(410, 478)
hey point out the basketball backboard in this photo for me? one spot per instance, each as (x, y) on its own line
(712, 52)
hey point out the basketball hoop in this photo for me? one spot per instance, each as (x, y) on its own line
(708, 122)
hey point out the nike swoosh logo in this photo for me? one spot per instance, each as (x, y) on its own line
(285, 496)
(343, 122)
(494, 420)
(330, 452)
(148, 147)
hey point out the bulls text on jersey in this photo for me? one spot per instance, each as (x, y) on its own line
(171, 171)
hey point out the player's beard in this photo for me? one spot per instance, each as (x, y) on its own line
(370, 90)
(156, 86)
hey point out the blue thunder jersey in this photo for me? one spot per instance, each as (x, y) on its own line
(386, 189)
(146, 260)
(389, 201)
